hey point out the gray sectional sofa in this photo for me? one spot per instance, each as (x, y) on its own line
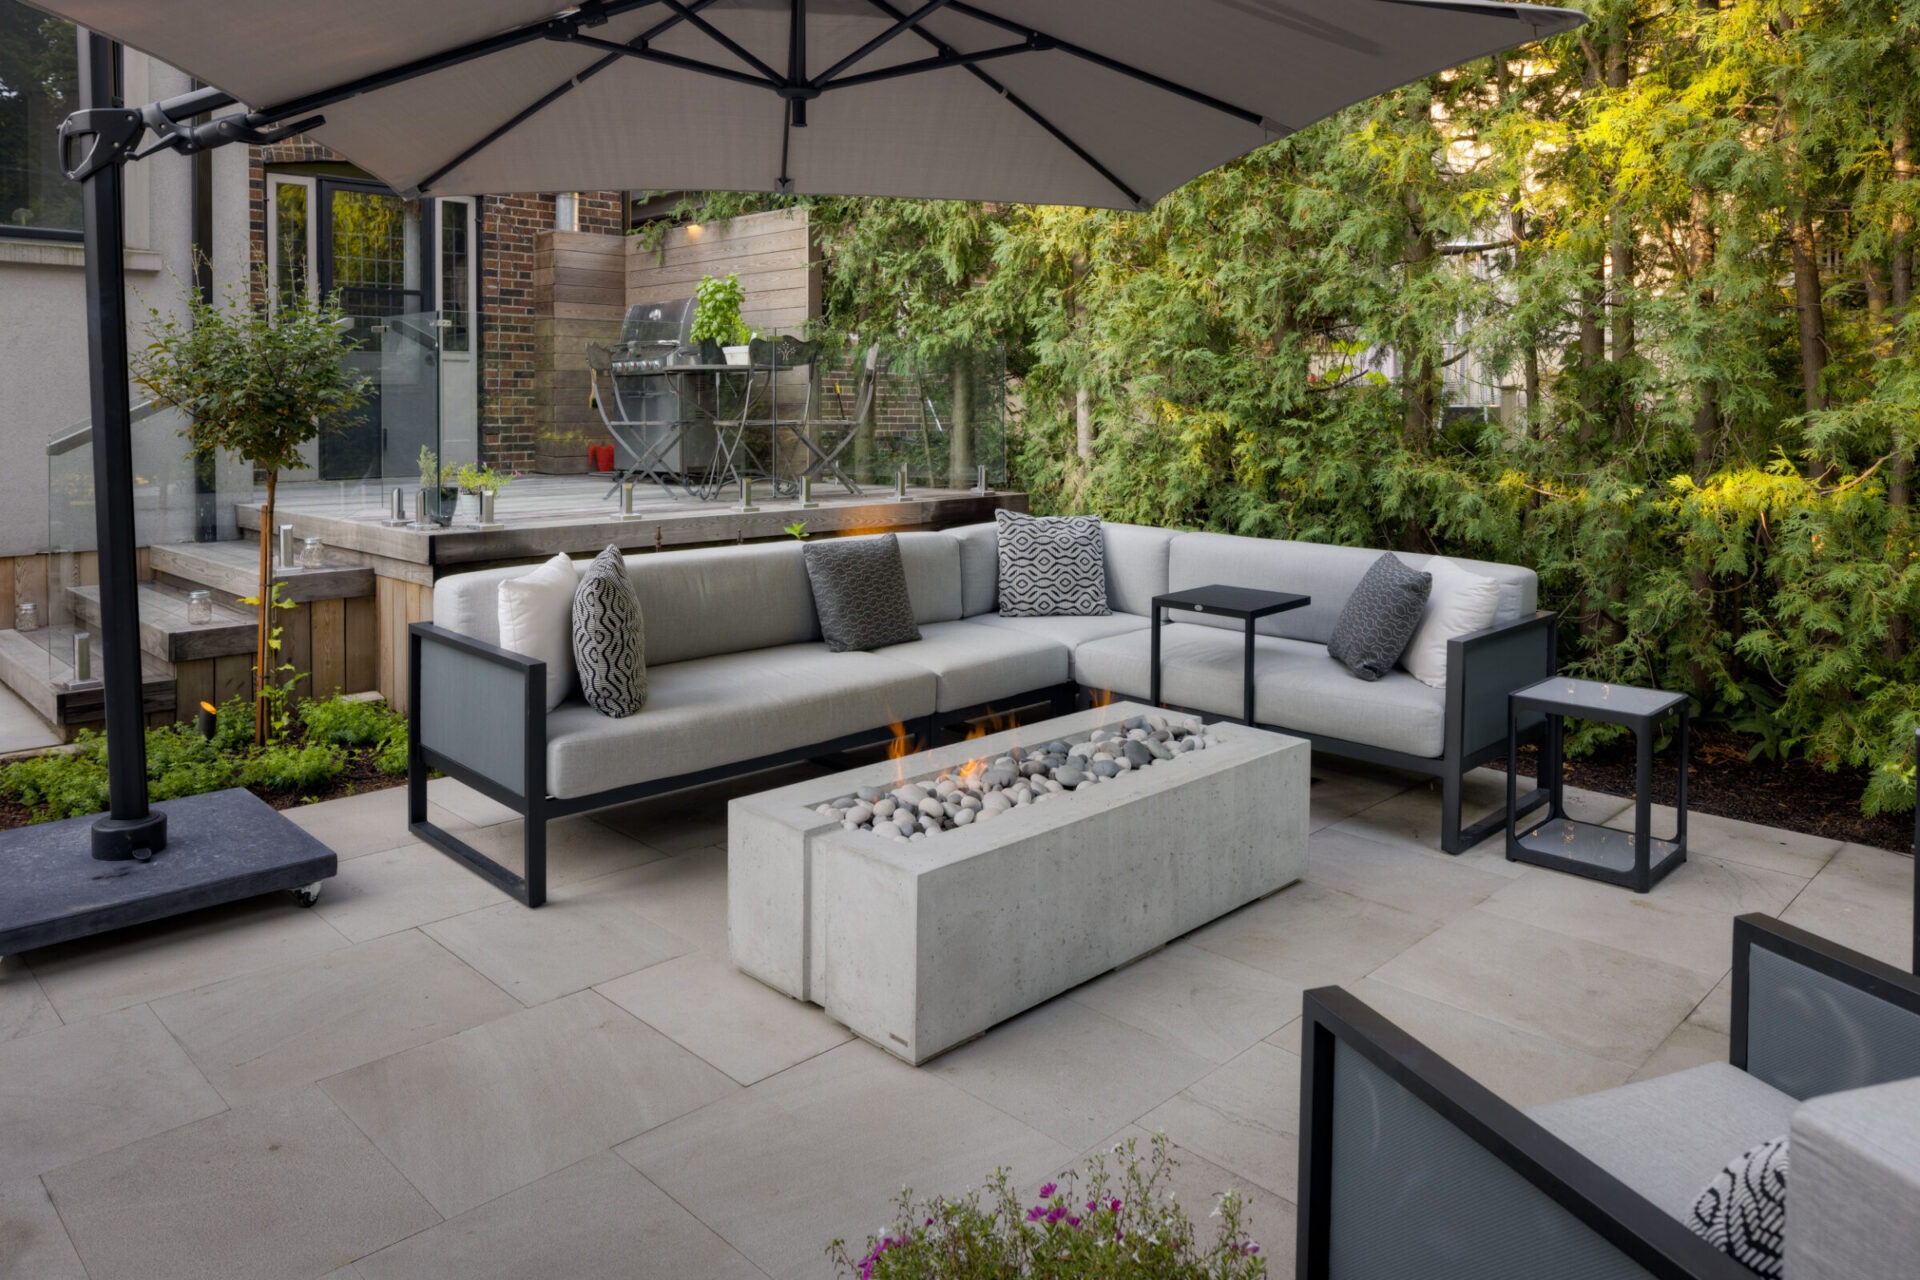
(740, 680)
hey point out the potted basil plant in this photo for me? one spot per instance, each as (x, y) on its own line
(716, 317)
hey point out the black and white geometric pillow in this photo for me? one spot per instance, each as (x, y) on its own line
(609, 638)
(1051, 566)
(1743, 1210)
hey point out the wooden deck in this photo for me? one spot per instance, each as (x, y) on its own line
(542, 515)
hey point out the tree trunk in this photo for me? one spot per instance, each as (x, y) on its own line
(263, 626)
(1593, 349)
(1901, 286)
(1899, 296)
(960, 430)
(1083, 424)
(1417, 373)
(1808, 306)
(1620, 259)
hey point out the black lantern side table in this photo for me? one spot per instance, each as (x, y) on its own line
(1633, 859)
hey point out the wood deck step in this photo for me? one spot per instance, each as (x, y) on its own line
(165, 632)
(230, 569)
(45, 681)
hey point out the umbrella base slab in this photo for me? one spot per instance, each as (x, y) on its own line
(221, 847)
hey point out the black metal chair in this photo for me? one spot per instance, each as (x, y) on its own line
(643, 424)
(1408, 1167)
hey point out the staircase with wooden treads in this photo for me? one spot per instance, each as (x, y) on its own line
(186, 663)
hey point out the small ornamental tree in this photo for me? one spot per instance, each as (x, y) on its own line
(258, 384)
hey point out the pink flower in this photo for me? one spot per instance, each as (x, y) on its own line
(1046, 1192)
(1036, 1213)
(1073, 1222)
(1056, 1213)
(1114, 1205)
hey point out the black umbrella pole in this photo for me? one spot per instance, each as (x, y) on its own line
(130, 829)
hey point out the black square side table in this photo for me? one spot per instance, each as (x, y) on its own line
(1245, 603)
(1633, 859)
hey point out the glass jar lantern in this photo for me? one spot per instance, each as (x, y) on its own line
(26, 616)
(199, 608)
(312, 554)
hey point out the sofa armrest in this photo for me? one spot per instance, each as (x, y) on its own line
(1483, 667)
(1853, 1179)
(1408, 1166)
(479, 713)
(1811, 1017)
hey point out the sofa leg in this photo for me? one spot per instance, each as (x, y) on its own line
(535, 850)
(1450, 786)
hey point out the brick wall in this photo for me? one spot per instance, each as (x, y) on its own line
(511, 419)
(510, 413)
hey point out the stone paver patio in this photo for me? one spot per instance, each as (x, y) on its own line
(419, 1079)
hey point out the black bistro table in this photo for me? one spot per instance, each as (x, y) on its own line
(1633, 859)
(1245, 603)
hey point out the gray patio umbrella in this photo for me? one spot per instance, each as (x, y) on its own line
(1106, 103)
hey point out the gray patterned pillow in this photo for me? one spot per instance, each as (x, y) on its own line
(1381, 616)
(1743, 1211)
(609, 638)
(1051, 566)
(860, 592)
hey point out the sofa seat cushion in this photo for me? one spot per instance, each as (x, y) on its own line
(1065, 629)
(973, 665)
(1296, 685)
(707, 712)
(1668, 1137)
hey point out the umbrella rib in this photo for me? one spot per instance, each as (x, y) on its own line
(547, 99)
(905, 24)
(433, 62)
(938, 63)
(1118, 67)
(725, 41)
(1021, 105)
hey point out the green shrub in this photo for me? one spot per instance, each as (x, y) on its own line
(61, 785)
(391, 756)
(182, 763)
(1124, 1228)
(283, 767)
(348, 723)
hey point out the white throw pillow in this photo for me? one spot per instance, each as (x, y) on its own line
(1459, 603)
(536, 619)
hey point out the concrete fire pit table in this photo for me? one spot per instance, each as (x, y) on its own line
(920, 945)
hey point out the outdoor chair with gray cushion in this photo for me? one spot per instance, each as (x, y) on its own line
(1409, 1168)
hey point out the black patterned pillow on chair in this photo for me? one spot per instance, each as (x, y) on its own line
(1380, 617)
(1743, 1211)
(1051, 566)
(860, 592)
(609, 638)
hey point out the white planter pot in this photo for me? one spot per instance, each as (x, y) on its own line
(735, 355)
(469, 506)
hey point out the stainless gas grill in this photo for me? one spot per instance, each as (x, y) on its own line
(662, 420)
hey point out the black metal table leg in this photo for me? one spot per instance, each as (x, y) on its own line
(1153, 680)
(1247, 676)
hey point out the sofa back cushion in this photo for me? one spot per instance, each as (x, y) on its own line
(1326, 573)
(715, 600)
(934, 579)
(1136, 556)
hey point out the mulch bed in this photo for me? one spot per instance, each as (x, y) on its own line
(1795, 796)
(360, 775)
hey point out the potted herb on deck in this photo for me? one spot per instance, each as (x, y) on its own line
(716, 317)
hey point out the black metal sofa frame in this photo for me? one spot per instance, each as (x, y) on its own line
(1482, 668)
(479, 715)
(1524, 1192)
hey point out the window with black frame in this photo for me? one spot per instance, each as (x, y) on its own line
(39, 82)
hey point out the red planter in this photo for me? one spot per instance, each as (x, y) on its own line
(600, 456)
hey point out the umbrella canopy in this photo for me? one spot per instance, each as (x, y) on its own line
(1104, 103)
